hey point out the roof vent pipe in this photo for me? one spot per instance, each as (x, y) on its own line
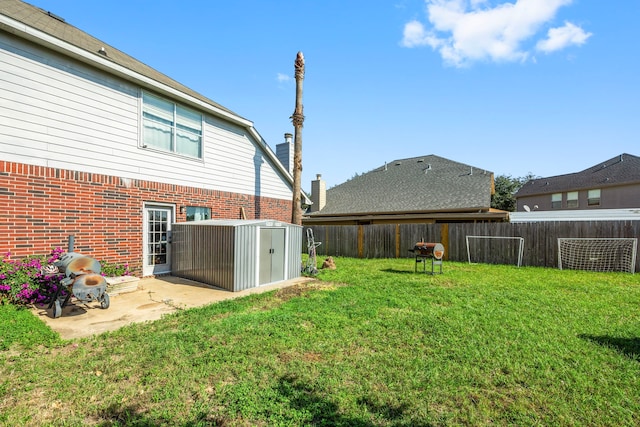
(54, 16)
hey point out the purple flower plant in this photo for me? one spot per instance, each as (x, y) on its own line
(22, 281)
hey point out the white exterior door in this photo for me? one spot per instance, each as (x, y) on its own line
(156, 239)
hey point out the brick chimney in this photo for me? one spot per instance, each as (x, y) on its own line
(284, 152)
(318, 194)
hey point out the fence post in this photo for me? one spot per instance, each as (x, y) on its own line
(444, 239)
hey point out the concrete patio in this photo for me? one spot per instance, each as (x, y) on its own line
(153, 298)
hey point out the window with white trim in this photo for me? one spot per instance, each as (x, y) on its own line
(593, 197)
(572, 199)
(171, 127)
(556, 201)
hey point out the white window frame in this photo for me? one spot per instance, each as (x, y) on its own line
(556, 201)
(572, 199)
(176, 120)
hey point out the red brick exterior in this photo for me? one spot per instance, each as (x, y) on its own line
(40, 207)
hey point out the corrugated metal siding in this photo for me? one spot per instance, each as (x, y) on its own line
(205, 254)
(246, 267)
(224, 253)
(293, 258)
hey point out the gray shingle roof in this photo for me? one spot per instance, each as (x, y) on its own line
(420, 184)
(44, 21)
(620, 170)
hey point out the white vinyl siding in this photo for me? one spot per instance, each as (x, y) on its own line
(59, 113)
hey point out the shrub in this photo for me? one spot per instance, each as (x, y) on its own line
(25, 282)
(30, 281)
(113, 270)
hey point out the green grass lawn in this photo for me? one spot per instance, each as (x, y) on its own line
(371, 344)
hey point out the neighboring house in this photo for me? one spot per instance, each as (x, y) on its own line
(612, 184)
(427, 189)
(98, 145)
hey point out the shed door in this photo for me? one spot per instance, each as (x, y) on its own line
(272, 248)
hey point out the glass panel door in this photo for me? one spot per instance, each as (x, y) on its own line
(157, 247)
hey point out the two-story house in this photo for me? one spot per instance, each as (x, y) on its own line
(612, 184)
(98, 145)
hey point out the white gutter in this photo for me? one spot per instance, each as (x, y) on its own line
(577, 215)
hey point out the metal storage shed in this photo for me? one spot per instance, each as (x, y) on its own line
(236, 254)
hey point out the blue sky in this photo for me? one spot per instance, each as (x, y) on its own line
(514, 87)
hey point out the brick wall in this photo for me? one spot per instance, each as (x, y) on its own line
(40, 207)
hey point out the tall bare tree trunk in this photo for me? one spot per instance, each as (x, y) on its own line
(298, 119)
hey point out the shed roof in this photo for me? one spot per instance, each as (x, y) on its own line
(240, 223)
(620, 170)
(419, 184)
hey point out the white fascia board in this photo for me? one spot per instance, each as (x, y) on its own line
(577, 215)
(36, 36)
(254, 133)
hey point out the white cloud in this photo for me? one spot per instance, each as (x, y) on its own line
(416, 35)
(561, 37)
(465, 31)
(283, 78)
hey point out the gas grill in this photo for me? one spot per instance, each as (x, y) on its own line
(82, 280)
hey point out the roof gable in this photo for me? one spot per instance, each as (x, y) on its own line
(620, 170)
(56, 27)
(45, 29)
(419, 184)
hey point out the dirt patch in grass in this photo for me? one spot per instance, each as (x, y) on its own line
(294, 291)
(302, 289)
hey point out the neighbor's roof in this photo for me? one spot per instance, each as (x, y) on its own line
(620, 170)
(420, 184)
(55, 26)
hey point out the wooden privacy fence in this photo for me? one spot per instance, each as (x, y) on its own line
(395, 240)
